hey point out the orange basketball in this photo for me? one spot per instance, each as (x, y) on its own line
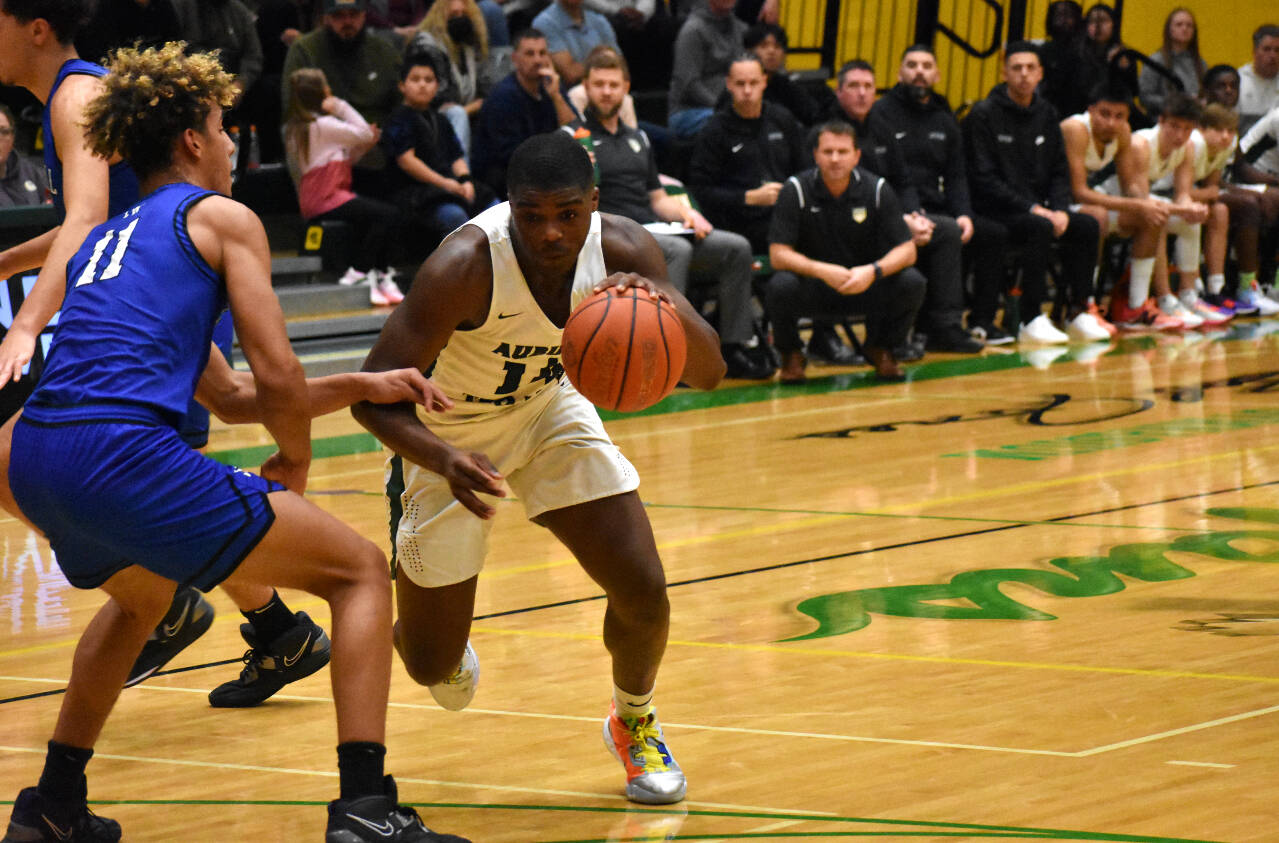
(623, 351)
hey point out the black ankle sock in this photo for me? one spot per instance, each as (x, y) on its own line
(360, 769)
(271, 621)
(63, 776)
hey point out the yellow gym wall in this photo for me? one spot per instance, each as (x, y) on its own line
(878, 31)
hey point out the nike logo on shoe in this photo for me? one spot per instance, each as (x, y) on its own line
(382, 829)
(173, 629)
(57, 832)
(289, 662)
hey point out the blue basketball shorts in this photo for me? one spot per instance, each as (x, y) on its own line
(109, 495)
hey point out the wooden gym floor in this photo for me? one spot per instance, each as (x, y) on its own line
(1018, 596)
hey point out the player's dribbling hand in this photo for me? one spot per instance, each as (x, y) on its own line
(624, 280)
(291, 475)
(468, 472)
(15, 352)
(402, 385)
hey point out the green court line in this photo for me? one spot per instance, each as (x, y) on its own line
(959, 829)
(686, 400)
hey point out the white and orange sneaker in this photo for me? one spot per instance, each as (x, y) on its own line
(1102, 323)
(652, 776)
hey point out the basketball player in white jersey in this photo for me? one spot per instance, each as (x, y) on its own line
(1098, 151)
(487, 309)
(1167, 174)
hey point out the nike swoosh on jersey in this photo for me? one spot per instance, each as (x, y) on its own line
(508, 315)
(382, 829)
(289, 662)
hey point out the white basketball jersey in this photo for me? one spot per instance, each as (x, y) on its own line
(1160, 170)
(1094, 160)
(1205, 164)
(515, 355)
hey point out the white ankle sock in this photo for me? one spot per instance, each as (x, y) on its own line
(1216, 283)
(1139, 281)
(632, 705)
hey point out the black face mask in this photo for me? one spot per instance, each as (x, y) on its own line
(461, 30)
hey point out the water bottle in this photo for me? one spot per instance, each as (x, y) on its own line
(583, 136)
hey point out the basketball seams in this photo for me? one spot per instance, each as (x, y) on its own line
(607, 301)
(630, 345)
(666, 346)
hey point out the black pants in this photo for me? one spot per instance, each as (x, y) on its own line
(889, 304)
(984, 252)
(940, 262)
(1032, 235)
(375, 230)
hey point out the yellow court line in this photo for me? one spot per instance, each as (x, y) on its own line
(904, 657)
(896, 509)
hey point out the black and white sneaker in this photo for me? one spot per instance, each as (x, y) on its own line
(189, 617)
(35, 819)
(380, 818)
(295, 654)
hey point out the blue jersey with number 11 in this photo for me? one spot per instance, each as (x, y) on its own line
(137, 320)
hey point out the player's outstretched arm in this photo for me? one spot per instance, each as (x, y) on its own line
(628, 248)
(231, 238)
(85, 186)
(232, 396)
(452, 290)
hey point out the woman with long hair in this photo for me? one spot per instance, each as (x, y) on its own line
(323, 135)
(1180, 55)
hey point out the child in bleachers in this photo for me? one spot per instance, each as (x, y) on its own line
(323, 136)
(428, 174)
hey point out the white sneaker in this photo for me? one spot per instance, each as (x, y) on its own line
(455, 693)
(377, 298)
(1211, 316)
(1041, 330)
(1172, 306)
(391, 290)
(352, 276)
(1086, 328)
(1253, 298)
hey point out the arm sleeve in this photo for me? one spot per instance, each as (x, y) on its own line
(984, 176)
(1261, 138)
(345, 127)
(397, 135)
(892, 228)
(784, 226)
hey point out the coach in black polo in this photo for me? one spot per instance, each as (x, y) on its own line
(840, 246)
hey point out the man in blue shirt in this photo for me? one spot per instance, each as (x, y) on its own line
(571, 33)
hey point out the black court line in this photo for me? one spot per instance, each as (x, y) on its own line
(776, 567)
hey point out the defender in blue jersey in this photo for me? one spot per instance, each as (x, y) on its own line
(97, 463)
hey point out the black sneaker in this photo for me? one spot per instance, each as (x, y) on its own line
(35, 818)
(380, 818)
(825, 347)
(991, 334)
(188, 618)
(954, 338)
(743, 365)
(296, 654)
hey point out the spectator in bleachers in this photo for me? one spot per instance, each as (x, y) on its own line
(571, 33)
(579, 99)
(1180, 55)
(838, 245)
(645, 31)
(361, 69)
(703, 256)
(743, 154)
(121, 23)
(769, 42)
(23, 180)
(1258, 164)
(1061, 56)
(323, 135)
(1104, 50)
(401, 20)
(279, 23)
(708, 42)
(1098, 144)
(430, 180)
(1259, 79)
(1221, 86)
(924, 128)
(529, 101)
(1018, 175)
(228, 27)
(458, 31)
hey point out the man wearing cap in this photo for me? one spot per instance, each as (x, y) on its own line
(361, 68)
